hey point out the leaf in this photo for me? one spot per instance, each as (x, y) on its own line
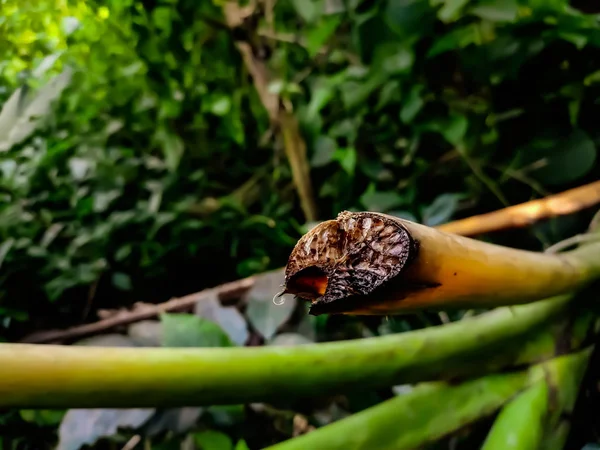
(380, 201)
(452, 128)
(5, 248)
(43, 417)
(393, 58)
(455, 39)
(228, 318)
(121, 281)
(451, 10)
(309, 10)
(390, 92)
(241, 445)
(408, 18)
(69, 24)
(212, 440)
(317, 36)
(563, 161)
(347, 159)
(21, 116)
(322, 91)
(265, 316)
(187, 330)
(324, 150)
(441, 209)
(82, 427)
(11, 110)
(46, 64)
(455, 129)
(220, 105)
(496, 10)
(355, 93)
(413, 104)
(172, 147)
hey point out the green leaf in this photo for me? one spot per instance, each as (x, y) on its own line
(355, 93)
(26, 111)
(455, 129)
(5, 247)
(563, 161)
(228, 318)
(161, 17)
(322, 91)
(186, 330)
(121, 281)
(371, 33)
(455, 39)
(441, 209)
(309, 10)
(241, 445)
(264, 315)
(316, 37)
(452, 128)
(381, 201)
(172, 147)
(324, 150)
(212, 440)
(43, 417)
(393, 58)
(390, 93)
(451, 10)
(496, 10)
(347, 159)
(409, 18)
(220, 105)
(413, 104)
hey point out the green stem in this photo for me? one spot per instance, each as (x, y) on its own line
(429, 412)
(520, 424)
(63, 376)
(564, 385)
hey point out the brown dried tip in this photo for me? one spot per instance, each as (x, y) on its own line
(348, 257)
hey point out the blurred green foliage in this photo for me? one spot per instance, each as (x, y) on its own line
(137, 161)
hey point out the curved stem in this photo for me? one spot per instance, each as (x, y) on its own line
(520, 424)
(65, 376)
(431, 411)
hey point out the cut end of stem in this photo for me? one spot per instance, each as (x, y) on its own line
(348, 259)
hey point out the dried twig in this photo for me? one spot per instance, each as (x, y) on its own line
(527, 213)
(227, 291)
(293, 143)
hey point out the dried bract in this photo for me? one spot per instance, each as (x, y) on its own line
(350, 256)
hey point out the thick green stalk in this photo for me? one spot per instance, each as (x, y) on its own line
(63, 376)
(428, 413)
(533, 420)
(520, 424)
(564, 385)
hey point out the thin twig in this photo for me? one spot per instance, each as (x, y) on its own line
(131, 443)
(293, 142)
(525, 214)
(227, 291)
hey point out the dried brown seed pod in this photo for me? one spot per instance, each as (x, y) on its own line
(351, 256)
